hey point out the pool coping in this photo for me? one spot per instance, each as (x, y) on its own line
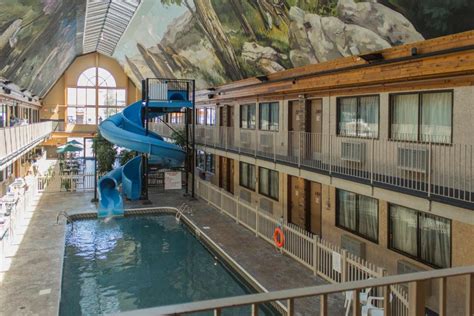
(195, 230)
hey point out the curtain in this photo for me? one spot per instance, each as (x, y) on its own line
(405, 117)
(436, 115)
(263, 178)
(368, 217)
(403, 228)
(243, 116)
(252, 178)
(435, 240)
(347, 122)
(346, 211)
(244, 180)
(369, 117)
(274, 184)
(274, 119)
(264, 116)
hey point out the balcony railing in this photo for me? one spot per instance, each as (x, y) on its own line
(437, 171)
(417, 287)
(18, 139)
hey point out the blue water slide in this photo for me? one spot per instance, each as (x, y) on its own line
(125, 130)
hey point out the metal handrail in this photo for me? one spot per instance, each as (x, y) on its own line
(291, 294)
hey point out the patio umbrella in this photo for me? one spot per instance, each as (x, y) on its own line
(74, 142)
(68, 148)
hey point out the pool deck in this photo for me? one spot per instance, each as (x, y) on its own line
(32, 285)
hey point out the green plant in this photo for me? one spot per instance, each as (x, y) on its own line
(179, 137)
(105, 153)
(126, 156)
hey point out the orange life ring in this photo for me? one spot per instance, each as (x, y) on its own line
(279, 237)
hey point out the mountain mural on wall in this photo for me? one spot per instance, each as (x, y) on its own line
(38, 40)
(218, 41)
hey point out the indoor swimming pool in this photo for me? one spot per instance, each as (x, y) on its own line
(131, 263)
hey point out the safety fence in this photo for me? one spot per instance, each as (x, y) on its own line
(433, 168)
(326, 260)
(17, 139)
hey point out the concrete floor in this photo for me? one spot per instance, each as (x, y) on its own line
(32, 285)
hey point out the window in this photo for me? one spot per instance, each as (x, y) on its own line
(269, 116)
(248, 116)
(268, 182)
(357, 214)
(205, 161)
(176, 118)
(210, 116)
(210, 163)
(247, 176)
(206, 116)
(95, 95)
(420, 235)
(201, 116)
(3, 115)
(358, 116)
(425, 116)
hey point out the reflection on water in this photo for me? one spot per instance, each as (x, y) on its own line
(139, 262)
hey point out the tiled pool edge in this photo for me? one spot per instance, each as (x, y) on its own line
(197, 232)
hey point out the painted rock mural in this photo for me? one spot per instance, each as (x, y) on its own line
(217, 41)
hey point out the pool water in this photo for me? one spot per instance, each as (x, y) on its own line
(139, 262)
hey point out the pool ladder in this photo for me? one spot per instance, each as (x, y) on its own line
(183, 208)
(68, 218)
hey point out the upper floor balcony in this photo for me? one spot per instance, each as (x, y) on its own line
(16, 140)
(430, 169)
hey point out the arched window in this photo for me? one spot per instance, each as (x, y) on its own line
(99, 77)
(94, 98)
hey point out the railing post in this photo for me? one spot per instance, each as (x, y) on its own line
(256, 220)
(416, 298)
(470, 294)
(274, 147)
(330, 154)
(386, 294)
(344, 265)
(442, 297)
(372, 154)
(217, 312)
(237, 211)
(254, 309)
(299, 149)
(290, 307)
(256, 142)
(429, 168)
(323, 305)
(356, 302)
(315, 254)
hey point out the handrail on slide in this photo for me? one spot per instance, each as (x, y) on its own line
(125, 129)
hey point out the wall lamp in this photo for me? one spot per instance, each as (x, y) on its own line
(263, 78)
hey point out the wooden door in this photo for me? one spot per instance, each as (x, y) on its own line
(226, 174)
(316, 207)
(316, 129)
(297, 206)
(295, 125)
(226, 116)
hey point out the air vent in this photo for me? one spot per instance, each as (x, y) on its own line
(266, 205)
(353, 151)
(245, 196)
(266, 140)
(353, 246)
(412, 159)
(245, 139)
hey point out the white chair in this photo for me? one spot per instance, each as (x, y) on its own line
(363, 297)
(369, 309)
